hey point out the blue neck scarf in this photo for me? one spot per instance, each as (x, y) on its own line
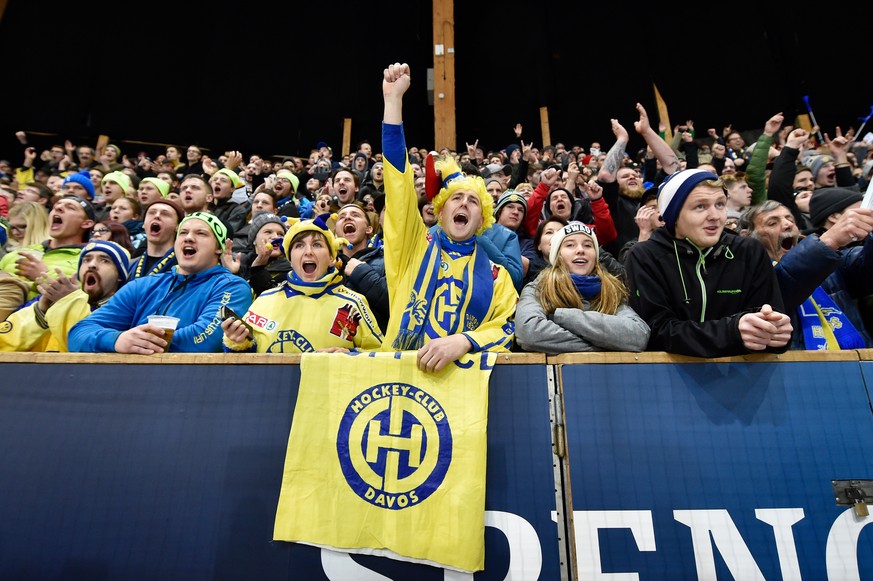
(588, 285)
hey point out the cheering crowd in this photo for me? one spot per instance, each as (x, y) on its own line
(700, 244)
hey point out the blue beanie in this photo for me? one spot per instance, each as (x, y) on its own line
(673, 192)
(115, 251)
(83, 178)
(510, 148)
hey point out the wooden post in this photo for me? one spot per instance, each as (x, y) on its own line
(544, 125)
(444, 75)
(347, 136)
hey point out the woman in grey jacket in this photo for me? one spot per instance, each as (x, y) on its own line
(574, 304)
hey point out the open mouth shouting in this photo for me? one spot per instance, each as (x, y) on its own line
(188, 251)
(309, 266)
(91, 282)
(154, 229)
(57, 223)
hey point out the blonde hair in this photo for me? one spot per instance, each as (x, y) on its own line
(555, 290)
(36, 217)
(447, 166)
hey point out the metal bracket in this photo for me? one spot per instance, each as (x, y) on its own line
(854, 493)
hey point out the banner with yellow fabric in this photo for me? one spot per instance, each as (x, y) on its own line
(385, 459)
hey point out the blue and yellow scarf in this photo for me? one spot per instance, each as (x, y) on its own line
(474, 305)
(294, 285)
(825, 326)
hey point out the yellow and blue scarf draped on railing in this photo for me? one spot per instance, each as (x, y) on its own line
(477, 287)
(825, 326)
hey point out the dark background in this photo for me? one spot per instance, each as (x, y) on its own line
(276, 78)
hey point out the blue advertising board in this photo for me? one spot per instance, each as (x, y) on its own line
(718, 471)
(173, 472)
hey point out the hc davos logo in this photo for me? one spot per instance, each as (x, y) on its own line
(394, 445)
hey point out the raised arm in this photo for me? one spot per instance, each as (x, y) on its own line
(395, 82)
(660, 148)
(612, 163)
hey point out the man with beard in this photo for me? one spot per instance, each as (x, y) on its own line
(70, 223)
(224, 183)
(623, 186)
(363, 264)
(44, 323)
(820, 275)
(193, 292)
(160, 222)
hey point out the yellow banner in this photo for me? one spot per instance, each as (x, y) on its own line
(663, 115)
(384, 459)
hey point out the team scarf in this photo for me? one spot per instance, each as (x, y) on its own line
(587, 285)
(165, 264)
(825, 326)
(294, 285)
(474, 305)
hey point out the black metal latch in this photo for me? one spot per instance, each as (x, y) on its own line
(855, 493)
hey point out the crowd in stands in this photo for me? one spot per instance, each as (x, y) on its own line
(699, 244)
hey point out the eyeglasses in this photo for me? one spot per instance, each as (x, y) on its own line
(101, 231)
(17, 228)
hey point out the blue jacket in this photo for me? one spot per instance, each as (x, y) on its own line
(195, 299)
(846, 275)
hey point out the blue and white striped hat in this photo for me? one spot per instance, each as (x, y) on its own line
(674, 190)
(115, 251)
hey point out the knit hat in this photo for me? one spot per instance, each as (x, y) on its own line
(120, 178)
(116, 148)
(673, 192)
(162, 186)
(288, 175)
(510, 148)
(507, 197)
(86, 205)
(816, 162)
(119, 255)
(493, 168)
(180, 211)
(214, 222)
(234, 177)
(317, 224)
(827, 201)
(83, 178)
(547, 205)
(261, 219)
(570, 229)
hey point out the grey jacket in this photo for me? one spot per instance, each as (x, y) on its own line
(572, 330)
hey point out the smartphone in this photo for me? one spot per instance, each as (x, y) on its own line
(228, 313)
